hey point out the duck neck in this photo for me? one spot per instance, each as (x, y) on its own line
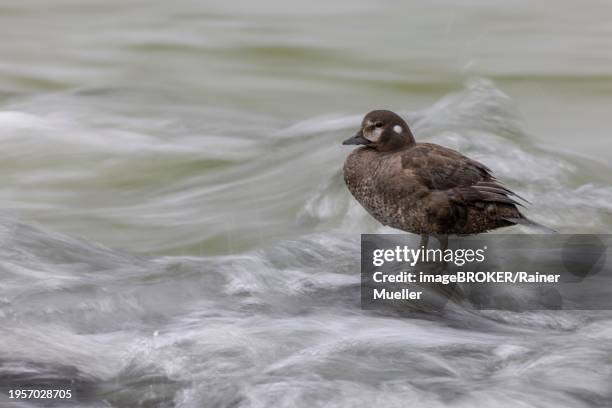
(398, 142)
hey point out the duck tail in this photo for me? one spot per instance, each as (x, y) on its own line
(529, 223)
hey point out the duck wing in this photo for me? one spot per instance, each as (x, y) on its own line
(462, 179)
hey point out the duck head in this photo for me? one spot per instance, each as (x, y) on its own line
(382, 130)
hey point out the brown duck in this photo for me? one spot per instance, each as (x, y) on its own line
(424, 188)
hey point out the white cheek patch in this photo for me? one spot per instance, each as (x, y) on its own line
(374, 135)
(397, 129)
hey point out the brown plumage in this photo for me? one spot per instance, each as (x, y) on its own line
(423, 188)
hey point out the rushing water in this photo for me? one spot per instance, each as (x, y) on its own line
(175, 230)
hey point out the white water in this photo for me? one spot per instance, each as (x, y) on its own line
(175, 230)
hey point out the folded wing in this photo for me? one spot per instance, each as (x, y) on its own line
(465, 181)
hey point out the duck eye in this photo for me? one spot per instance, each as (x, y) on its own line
(378, 124)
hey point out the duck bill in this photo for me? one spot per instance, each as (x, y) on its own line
(356, 139)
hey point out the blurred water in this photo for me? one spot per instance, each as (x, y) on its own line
(175, 229)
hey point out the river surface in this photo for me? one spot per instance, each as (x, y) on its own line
(175, 230)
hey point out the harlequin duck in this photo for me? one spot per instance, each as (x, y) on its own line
(424, 188)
